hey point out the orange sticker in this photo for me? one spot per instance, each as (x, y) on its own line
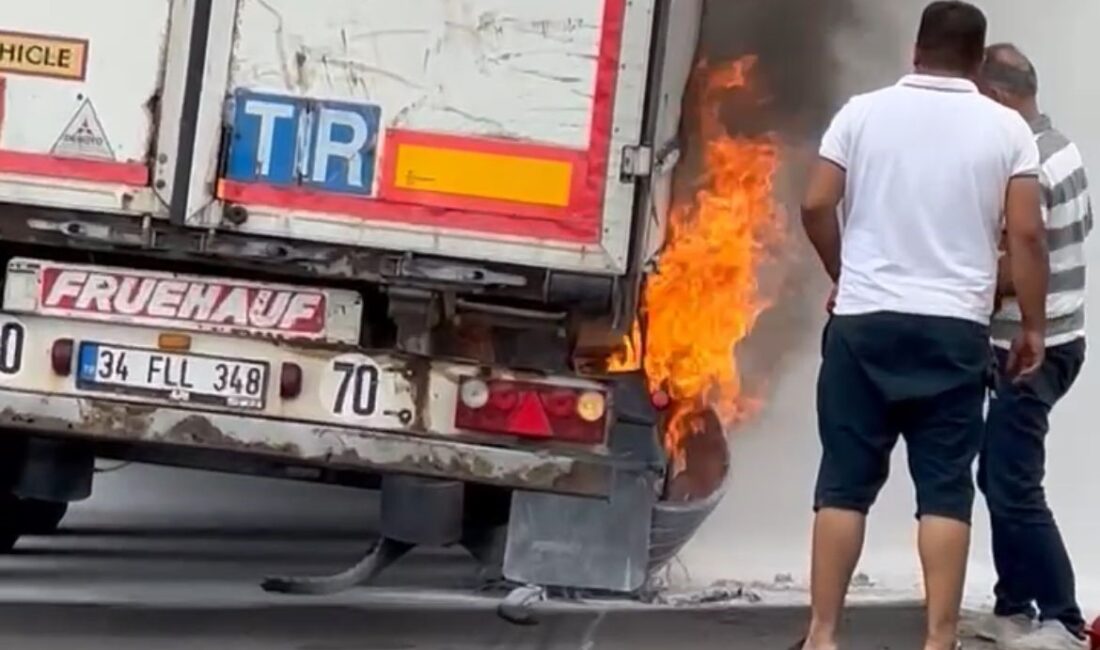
(40, 55)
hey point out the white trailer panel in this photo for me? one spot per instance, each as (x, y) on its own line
(489, 130)
(480, 129)
(79, 90)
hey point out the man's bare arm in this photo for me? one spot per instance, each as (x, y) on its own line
(819, 213)
(1027, 251)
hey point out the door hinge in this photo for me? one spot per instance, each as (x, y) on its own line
(637, 163)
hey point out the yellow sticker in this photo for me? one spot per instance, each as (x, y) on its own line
(476, 174)
(41, 55)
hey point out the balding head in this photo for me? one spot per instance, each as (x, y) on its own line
(1007, 70)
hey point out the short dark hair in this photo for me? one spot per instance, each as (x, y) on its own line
(952, 36)
(1008, 68)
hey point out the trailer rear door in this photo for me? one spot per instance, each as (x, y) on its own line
(480, 129)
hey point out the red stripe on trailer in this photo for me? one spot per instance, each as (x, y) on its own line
(76, 169)
(95, 171)
(603, 106)
(333, 207)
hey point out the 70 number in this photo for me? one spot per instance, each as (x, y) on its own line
(358, 389)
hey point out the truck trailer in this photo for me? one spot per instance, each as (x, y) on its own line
(374, 243)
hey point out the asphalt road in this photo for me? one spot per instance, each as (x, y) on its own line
(164, 559)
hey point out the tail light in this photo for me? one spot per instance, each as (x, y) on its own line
(61, 357)
(290, 381)
(660, 399)
(529, 410)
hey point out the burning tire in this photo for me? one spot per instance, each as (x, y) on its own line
(692, 493)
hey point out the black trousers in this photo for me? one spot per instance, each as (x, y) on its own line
(1033, 567)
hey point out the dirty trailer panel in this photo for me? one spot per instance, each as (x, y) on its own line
(488, 129)
(77, 101)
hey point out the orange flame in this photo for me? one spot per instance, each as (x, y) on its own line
(704, 299)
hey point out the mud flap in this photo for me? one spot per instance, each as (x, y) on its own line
(595, 544)
(562, 541)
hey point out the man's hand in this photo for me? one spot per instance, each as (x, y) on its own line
(1028, 351)
(830, 304)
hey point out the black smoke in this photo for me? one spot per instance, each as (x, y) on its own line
(800, 61)
(811, 55)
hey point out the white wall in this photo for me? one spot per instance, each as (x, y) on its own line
(762, 529)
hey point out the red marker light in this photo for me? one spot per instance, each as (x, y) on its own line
(560, 403)
(61, 357)
(503, 398)
(660, 400)
(534, 410)
(290, 381)
(529, 418)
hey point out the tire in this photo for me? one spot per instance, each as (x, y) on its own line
(676, 520)
(39, 517)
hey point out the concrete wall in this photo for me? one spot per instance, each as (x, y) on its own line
(762, 529)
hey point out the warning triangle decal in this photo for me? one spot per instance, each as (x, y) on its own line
(84, 136)
(529, 418)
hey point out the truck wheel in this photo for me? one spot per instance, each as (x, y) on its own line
(38, 517)
(692, 496)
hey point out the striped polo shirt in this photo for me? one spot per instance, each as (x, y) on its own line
(1067, 212)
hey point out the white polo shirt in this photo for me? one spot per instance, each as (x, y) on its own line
(928, 162)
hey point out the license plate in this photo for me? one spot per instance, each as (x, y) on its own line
(193, 378)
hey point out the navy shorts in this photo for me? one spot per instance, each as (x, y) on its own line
(888, 375)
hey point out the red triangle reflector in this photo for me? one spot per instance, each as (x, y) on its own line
(529, 419)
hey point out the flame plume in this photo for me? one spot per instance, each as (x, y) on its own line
(704, 299)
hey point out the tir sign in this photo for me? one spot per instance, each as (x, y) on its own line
(287, 141)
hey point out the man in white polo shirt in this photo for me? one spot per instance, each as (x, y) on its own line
(929, 172)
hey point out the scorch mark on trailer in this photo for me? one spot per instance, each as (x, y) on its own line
(353, 67)
(498, 128)
(562, 30)
(303, 74)
(280, 44)
(371, 35)
(549, 77)
(508, 56)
